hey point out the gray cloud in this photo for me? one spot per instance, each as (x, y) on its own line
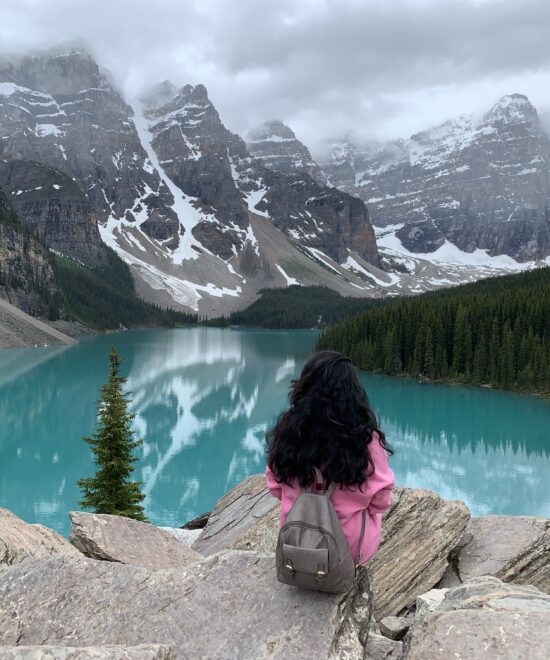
(374, 68)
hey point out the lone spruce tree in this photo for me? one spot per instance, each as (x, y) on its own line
(113, 444)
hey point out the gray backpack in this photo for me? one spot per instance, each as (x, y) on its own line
(312, 551)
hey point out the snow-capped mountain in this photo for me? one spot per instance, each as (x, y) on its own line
(202, 223)
(279, 149)
(480, 183)
(205, 222)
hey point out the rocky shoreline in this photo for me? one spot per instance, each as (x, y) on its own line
(442, 585)
(18, 329)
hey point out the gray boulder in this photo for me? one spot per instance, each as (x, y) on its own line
(484, 618)
(394, 627)
(227, 606)
(262, 535)
(19, 541)
(236, 512)
(381, 648)
(115, 538)
(513, 548)
(419, 531)
(141, 652)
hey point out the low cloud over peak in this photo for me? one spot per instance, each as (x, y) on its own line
(325, 67)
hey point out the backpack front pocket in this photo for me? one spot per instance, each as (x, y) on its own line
(305, 560)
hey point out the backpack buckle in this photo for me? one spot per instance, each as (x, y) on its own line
(321, 574)
(289, 567)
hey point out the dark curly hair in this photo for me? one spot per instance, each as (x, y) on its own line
(329, 424)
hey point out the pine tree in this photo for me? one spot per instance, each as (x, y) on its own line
(480, 360)
(111, 490)
(429, 362)
(391, 365)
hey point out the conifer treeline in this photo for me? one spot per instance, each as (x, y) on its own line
(296, 307)
(495, 331)
(104, 297)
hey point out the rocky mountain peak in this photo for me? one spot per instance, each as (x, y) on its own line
(273, 130)
(279, 149)
(478, 181)
(513, 108)
(190, 102)
(169, 188)
(58, 74)
(340, 150)
(198, 93)
(159, 94)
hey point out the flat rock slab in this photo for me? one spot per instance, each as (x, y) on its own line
(20, 541)
(513, 548)
(484, 618)
(142, 652)
(114, 538)
(227, 606)
(419, 530)
(236, 512)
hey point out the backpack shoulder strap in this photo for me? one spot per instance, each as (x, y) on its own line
(361, 536)
(320, 483)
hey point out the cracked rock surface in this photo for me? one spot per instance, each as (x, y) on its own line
(513, 548)
(483, 618)
(419, 530)
(141, 652)
(234, 514)
(227, 606)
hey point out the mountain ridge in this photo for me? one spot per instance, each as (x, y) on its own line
(461, 181)
(202, 222)
(172, 190)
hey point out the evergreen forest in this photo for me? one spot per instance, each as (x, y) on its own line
(492, 332)
(296, 307)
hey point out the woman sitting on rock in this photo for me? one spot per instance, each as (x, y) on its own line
(330, 426)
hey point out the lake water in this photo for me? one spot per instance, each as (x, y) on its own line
(203, 399)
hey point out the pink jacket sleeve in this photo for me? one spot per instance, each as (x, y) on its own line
(273, 485)
(380, 482)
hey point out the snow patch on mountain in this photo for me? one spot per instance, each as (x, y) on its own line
(183, 206)
(449, 254)
(253, 198)
(289, 280)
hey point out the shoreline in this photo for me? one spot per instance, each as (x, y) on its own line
(455, 383)
(20, 330)
(70, 332)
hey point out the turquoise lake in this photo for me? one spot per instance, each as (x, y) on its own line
(203, 399)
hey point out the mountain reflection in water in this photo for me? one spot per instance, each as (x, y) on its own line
(203, 400)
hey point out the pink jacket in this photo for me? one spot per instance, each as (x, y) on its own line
(375, 497)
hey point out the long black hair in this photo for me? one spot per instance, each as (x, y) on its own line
(329, 424)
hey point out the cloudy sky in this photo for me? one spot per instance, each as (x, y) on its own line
(375, 68)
